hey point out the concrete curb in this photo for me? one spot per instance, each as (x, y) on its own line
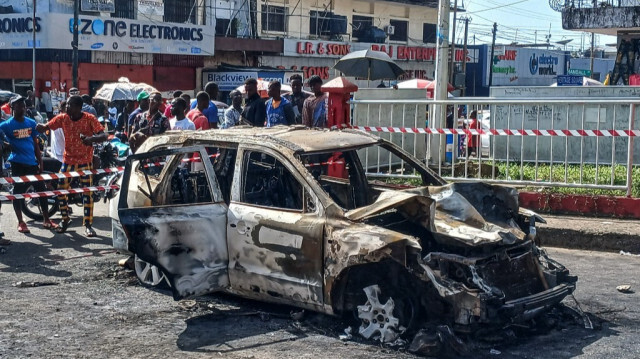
(582, 205)
(587, 233)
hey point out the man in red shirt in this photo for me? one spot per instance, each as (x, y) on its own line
(473, 140)
(81, 130)
(196, 116)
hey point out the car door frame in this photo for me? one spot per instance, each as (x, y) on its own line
(188, 242)
(262, 263)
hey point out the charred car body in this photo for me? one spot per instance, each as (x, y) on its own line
(287, 215)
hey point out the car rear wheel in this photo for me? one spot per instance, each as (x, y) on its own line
(150, 275)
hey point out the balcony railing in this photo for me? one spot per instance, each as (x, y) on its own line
(591, 4)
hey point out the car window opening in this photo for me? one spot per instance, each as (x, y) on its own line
(269, 183)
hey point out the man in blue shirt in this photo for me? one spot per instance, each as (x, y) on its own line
(212, 111)
(25, 158)
(279, 109)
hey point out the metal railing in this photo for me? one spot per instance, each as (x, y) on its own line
(590, 4)
(541, 142)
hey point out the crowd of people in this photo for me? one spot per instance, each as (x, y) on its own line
(77, 127)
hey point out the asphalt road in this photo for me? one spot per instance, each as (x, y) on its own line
(86, 306)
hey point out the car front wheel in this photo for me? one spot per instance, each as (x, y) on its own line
(150, 275)
(387, 314)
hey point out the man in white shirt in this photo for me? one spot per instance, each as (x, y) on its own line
(179, 121)
(56, 138)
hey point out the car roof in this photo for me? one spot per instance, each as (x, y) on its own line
(297, 138)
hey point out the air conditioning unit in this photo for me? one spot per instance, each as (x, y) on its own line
(390, 29)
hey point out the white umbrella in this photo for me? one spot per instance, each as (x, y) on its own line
(122, 90)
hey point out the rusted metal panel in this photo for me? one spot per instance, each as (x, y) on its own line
(187, 243)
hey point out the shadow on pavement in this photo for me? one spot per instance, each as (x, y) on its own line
(232, 330)
(39, 252)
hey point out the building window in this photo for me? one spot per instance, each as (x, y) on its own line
(429, 33)
(274, 18)
(180, 11)
(361, 26)
(326, 23)
(400, 30)
(125, 9)
(224, 25)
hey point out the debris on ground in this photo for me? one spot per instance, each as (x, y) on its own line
(347, 335)
(585, 318)
(127, 263)
(295, 315)
(32, 284)
(432, 342)
(625, 288)
(623, 253)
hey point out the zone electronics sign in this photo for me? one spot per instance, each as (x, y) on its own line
(135, 30)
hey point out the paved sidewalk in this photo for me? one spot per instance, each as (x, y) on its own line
(600, 234)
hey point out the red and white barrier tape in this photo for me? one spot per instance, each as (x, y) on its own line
(13, 197)
(499, 132)
(55, 176)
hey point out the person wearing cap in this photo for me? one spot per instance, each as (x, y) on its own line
(81, 131)
(25, 158)
(143, 105)
(149, 123)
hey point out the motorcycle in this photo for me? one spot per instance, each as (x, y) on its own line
(107, 154)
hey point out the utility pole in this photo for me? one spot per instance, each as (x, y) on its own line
(493, 47)
(464, 52)
(453, 43)
(439, 117)
(593, 40)
(33, 55)
(74, 44)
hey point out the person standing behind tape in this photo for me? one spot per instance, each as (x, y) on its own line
(25, 158)
(81, 131)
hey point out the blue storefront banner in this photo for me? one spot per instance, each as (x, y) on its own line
(570, 80)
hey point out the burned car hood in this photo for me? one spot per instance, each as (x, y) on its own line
(457, 214)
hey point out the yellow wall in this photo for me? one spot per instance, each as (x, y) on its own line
(381, 11)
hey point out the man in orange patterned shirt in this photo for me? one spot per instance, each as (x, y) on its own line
(81, 131)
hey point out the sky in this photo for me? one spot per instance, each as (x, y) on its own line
(521, 21)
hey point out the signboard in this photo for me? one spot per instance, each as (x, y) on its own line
(230, 80)
(98, 5)
(570, 80)
(579, 72)
(151, 7)
(525, 67)
(55, 31)
(335, 49)
(227, 81)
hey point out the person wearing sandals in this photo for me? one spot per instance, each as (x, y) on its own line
(81, 131)
(25, 158)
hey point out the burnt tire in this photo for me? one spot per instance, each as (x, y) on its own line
(149, 275)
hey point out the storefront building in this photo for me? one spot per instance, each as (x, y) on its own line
(145, 41)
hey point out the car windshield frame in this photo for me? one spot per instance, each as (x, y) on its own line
(427, 176)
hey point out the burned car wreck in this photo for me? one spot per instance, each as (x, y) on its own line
(288, 215)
